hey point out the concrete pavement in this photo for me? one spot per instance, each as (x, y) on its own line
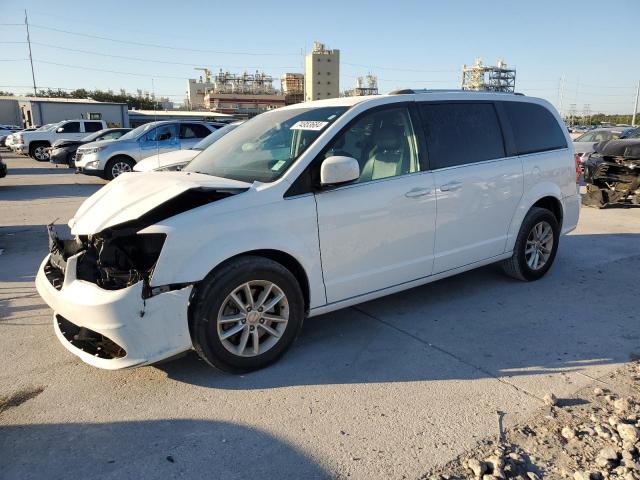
(387, 389)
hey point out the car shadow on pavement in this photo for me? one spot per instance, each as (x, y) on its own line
(475, 325)
(150, 449)
(57, 191)
(40, 171)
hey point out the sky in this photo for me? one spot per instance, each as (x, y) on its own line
(580, 55)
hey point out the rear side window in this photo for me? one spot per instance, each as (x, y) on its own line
(193, 130)
(92, 126)
(461, 133)
(71, 127)
(534, 127)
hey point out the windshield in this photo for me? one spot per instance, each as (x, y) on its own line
(136, 132)
(48, 127)
(217, 135)
(266, 146)
(93, 136)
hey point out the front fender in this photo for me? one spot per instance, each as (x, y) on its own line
(538, 191)
(200, 240)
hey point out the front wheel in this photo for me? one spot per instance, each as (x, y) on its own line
(536, 246)
(117, 166)
(247, 314)
(39, 152)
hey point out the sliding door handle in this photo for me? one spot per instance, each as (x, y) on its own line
(417, 192)
(451, 186)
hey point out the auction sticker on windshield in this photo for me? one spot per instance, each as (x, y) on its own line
(309, 125)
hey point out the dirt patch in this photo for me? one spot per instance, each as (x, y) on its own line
(594, 436)
(19, 397)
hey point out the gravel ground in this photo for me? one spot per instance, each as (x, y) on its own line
(592, 435)
(388, 389)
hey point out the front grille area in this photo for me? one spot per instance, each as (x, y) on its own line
(78, 156)
(54, 275)
(89, 341)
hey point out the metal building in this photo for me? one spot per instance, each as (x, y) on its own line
(321, 73)
(292, 86)
(31, 111)
(498, 78)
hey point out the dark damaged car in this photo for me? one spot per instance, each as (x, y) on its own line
(612, 174)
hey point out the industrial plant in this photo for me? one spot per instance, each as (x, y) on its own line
(498, 78)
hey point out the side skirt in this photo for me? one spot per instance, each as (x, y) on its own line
(330, 307)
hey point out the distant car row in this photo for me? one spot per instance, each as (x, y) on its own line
(108, 152)
(584, 144)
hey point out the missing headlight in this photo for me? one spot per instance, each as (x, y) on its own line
(119, 261)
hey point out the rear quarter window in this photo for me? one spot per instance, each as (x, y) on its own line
(461, 133)
(535, 129)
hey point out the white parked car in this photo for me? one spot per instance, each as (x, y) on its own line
(112, 158)
(177, 159)
(304, 210)
(37, 142)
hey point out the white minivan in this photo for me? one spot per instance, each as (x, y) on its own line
(304, 210)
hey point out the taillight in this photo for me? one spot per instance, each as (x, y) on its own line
(578, 169)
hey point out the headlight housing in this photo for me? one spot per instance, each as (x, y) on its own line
(170, 168)
(95, 149)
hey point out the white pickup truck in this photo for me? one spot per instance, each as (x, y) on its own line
(36, 143)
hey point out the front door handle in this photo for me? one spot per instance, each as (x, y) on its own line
(417, 192)
(451, 186)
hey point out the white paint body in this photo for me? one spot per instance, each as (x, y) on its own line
(354, 242)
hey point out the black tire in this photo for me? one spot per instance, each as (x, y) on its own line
(37, 151)
(208, 301)
(517, 266)
(112, 170)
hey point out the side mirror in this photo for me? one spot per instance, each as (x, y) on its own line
(338, 170)
(60, 130)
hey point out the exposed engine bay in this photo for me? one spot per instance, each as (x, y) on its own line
(612, 174)
(120, 256)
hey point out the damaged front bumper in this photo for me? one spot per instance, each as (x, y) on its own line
(114, 329)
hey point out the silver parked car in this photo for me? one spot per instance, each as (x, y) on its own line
(108, 159)
(583, 145)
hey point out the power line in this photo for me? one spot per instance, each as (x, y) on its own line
(155, 45)
(378, 67)
(82, 88)
(140, 59)
(108, 71)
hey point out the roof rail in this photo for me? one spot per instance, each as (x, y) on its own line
(410, 91)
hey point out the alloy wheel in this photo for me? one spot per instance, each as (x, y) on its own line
(539, 245)
(119, 168)
(41, 153)
(253, 318)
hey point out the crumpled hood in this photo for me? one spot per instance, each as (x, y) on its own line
(131, 195)
(100, 143)
(165, 160)
(65, 142)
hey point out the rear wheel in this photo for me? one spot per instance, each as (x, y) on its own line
(117, 166)
(39, 151)
(536, 246)
(247, 314)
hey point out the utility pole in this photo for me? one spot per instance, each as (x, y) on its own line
(33, 75)
(561, 95)
(635, 107)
